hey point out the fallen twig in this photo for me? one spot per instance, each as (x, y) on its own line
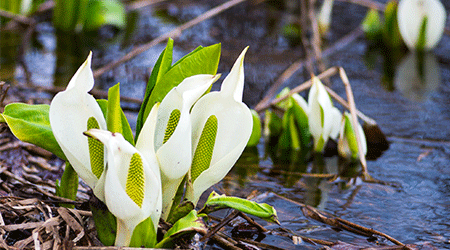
(346, 40)
(171, 34)
(16, 17)
(352, 106)
(367, 3)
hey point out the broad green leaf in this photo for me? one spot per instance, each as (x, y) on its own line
(285, 138)
(103, 106)
(180, 211)
(188, 224)
(115, 118)
(31, 123)
(301, 122)
(256, 131)
(262, 210)
(161, 67)
(68, 187)
(295, 138)
(144, 234)
(105, 222)
(104, 12)
(201, 61)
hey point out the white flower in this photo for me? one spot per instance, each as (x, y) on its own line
(72, 112)
(324, 118)
(411, 14)
(324, 16)
(347, 144)
(221, 127)
(132, 182)
(173, 133)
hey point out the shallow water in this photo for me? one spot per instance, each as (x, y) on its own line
(414, 208)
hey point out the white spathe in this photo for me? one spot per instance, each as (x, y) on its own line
(324, 118)
(324, 16)
(410, 15)
(347, 144)
(175, 154)
(234, 127)
(128, 213)
(69, 113)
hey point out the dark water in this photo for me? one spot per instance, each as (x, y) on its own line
(414, 208)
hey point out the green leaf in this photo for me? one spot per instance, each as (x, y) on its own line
(301, 123)
(350, 138)
(256, 131)
(115, 118)
(31, 123)
(201, 61)
(68, 187)
(180, 211)
(161, 67)
(272, 124)
(103, 106)
(262, 210)
(174, 214)
(371, 25)
(104, 12)
(144, 234)
(391, 32)
(105, 222)
(188, 224)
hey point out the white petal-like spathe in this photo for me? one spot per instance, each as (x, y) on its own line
(175, 154)
(301, 102)
(344, 144)
(410, 14)
(69, 113)
(324, 16)
(127, 212)
(234, 128)
(320, 106)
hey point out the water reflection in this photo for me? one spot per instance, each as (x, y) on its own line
(71, 51)
(9, 53)
(418, 75)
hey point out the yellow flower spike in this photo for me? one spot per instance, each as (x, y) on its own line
(173, 134)
(234, 127)
(96, 150)
(203, 152)
(132, 184)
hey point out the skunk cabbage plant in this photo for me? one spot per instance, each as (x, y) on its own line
(221, 127)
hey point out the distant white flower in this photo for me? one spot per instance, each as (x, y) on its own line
(411, 14)
(324, 118)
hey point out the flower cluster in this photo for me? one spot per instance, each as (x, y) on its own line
(317, 118)
(189, 133)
